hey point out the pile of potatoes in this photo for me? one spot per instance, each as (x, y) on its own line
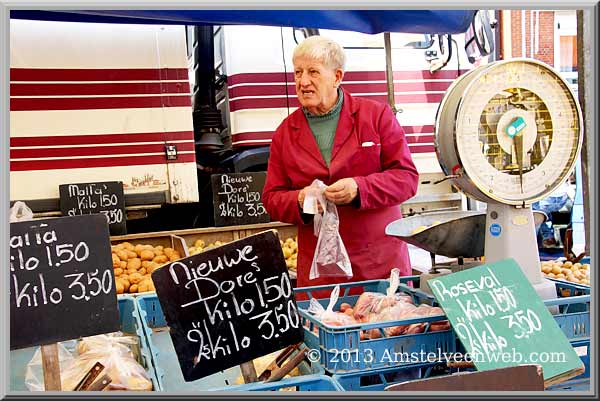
(133, 265)
(564, 270)
(290, 252)
(200, 246)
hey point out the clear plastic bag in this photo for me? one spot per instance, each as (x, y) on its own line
(373, 303)
(329, 316)
(113, 350)
(20, 212)
(331, 258)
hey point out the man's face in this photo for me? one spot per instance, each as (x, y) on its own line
(316, 84)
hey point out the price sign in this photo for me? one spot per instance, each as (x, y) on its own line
(228, 305)
(61, 280)
(97, 197)
(237, 199)
(502, 321)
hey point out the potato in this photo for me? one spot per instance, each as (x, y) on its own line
(146, 264)
(287, 252)
(152, 267)
(174, 256)
(168, 251)
(134, 264)
(556, 269)
(133, 289)
(135, 278)
(147, 254)
(118, 271)
(138, 249)
(128, 246)
(126, 284)
(199, 243)
(123, 265)
(119, 287)
(161, 259)
(349, 312)
(116, 261)
(142, 271)
(131, 255)
(345, 306)
(122, 255)
(144, 285)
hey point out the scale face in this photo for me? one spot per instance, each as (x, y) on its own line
(509, 133)
(516, 132)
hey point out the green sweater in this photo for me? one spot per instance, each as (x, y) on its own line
(323, 127)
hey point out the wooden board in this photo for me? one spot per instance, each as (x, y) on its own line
(517, 378)
(96, 197)
(502, 321)
(61, 280)
(228, 305)
(237, 198)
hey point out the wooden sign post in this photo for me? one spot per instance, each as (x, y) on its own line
(96, 197)
(229, 305)
(61, 285)
(502, 321)
(237, 199)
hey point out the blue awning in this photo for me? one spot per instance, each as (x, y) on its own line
(365, 21)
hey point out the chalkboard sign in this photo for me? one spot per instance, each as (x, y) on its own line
(502, 321)
(228, 305)
(96, 197)
(61, 280)
(237, 199)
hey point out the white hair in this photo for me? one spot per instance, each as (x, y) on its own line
(329, 52)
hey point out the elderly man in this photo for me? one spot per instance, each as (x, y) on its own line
(358, 149)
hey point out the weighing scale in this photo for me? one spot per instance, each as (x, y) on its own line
(507, 133)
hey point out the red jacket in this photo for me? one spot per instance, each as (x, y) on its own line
(385, 174)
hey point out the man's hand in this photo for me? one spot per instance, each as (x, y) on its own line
(302, 195)
(342, 192)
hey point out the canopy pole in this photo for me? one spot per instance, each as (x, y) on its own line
(389, 72)
(585, 81)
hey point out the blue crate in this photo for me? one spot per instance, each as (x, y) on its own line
(303, 383)
(343, 351)
(379, 379)
(572, 385)
(130, 324)
(167, 367)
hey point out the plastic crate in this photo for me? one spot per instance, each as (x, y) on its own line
(379, 379)
(572, 385)
(343, 351)
(167, 367)
(573, 302)
(302, 383)
(130, 323)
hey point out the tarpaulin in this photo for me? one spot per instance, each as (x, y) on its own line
(365, 21)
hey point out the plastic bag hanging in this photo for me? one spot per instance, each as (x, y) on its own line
(331, 258)
(20, 212)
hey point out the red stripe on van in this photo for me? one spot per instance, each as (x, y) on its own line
(422, 149)
(20, 165)
(261, 103)
(95, 150)
(98, 74)
(91, 103)
(418, 129)
(252, 136)
(44, 89)
(279, 90)
(66, 140)
(267, 77)
(420, 139)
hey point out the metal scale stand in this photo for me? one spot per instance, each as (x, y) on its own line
(507, 133)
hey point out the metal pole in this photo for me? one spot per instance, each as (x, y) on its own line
(389, 72)
(585, 80)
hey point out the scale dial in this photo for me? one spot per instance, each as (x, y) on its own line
(511, 131)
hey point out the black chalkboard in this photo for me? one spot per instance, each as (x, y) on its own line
(61, 280)
(228, 305)
(237, 199)
(96, 197)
